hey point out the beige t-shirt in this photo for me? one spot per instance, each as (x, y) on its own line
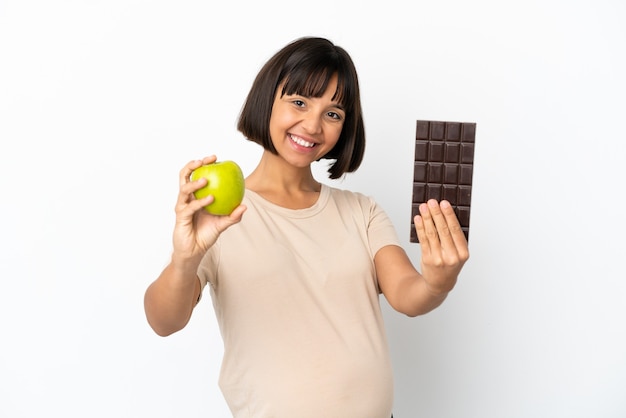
(297, 301)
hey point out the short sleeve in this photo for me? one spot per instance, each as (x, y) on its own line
(207, 270)
(380, 231)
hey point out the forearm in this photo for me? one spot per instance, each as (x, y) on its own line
(405, 288)
(170, 299)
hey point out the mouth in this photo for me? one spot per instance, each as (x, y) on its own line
(301, 142)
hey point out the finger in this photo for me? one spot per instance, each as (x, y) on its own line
(192, 186)
(456, 232)
(421, 234)
(187, 209)
(186, 171)
(432, 235)
(209, 160)
(186, 192)
(237, 213)
(195, 205)
(441, 221)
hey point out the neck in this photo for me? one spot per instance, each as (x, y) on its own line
(276, 174)
(282, 183)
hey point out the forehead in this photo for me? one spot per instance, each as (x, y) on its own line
(313, 84)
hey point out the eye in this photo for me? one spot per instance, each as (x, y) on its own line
(298, 102)
(335, 115)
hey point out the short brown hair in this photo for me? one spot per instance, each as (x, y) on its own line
(305, 67)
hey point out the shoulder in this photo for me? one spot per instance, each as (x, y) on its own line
(356, 202)
(350, 197)
(369, 214)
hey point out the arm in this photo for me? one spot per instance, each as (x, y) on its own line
(444, 252)
(170, 299)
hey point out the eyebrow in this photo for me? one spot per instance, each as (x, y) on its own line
(340, 106)
(336, 104)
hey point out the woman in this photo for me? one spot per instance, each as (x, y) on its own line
(296, 271)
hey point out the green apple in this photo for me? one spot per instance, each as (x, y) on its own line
(225, 182)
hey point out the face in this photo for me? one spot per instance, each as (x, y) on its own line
(304, 129)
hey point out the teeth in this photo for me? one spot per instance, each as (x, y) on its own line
(301, 141)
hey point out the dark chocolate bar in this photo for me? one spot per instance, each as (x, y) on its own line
(444, 162)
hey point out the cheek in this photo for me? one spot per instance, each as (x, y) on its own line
(275, 127)
(279, 120)
(334, 132)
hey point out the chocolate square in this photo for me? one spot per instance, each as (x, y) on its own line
(443, 166)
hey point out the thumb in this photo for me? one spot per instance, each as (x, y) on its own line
(234, 217)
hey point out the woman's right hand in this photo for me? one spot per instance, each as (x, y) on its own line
(196, 230)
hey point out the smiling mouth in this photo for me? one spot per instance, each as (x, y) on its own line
(301, 141)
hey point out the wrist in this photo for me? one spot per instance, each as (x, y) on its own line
(439, 290)
(185, 265)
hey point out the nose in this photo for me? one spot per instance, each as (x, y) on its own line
(312, 123)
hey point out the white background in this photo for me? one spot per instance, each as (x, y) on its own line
(102, 102)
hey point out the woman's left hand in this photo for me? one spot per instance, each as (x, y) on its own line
(443, 243)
